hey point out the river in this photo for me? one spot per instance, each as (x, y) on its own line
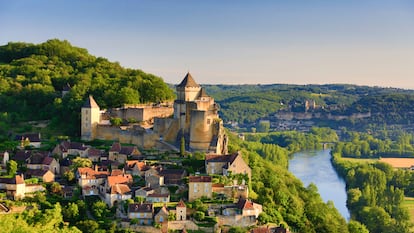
(315, 167)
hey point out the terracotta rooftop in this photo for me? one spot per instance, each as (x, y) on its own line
(188, 81)
(199, 179)
(112, 180)
(92, 174)
(120, 189)
(244, 204)
(181, 204)
(135, 163)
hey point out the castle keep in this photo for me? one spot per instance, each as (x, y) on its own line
(195, 117)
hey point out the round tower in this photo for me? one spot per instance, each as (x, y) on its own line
(90, 117)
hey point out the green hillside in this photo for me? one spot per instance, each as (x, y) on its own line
(32, 77)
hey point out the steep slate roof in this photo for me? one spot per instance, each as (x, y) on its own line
(47, 160)
(116, 147)
(33, 137)
(188, 81)
(36, 172)
(163, 211)
(222, 158)
(136, 207)
(90, 103)
(203, 92)
(15, 180)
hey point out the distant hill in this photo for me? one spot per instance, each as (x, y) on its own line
(32, 77)
(246, 104)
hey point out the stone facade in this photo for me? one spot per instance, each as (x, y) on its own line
(199, 186)
(195, 117)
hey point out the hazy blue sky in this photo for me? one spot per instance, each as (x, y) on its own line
(368, 42)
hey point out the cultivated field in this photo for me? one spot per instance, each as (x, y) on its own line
(398, 162)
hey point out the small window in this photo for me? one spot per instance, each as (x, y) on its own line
(208, 121)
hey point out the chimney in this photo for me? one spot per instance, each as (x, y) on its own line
(96, 167)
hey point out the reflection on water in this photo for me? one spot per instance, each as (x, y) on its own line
(315, 167)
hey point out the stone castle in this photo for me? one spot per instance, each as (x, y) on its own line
(194, 117)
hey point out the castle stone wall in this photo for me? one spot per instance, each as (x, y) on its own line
(142, 113)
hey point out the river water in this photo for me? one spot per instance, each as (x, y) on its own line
(315, 167)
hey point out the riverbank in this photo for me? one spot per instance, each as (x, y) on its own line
(316, 167)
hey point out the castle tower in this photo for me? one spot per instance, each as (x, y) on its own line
(90, 117)
(187, 91)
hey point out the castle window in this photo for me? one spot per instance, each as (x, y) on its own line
(208, 121)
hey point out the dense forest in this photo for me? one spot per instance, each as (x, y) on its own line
(375, 193)
(33, 76)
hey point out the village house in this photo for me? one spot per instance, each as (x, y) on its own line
(173, 176)
(14, 187)
(181, 211)
(135, 167)
(144, 212)
(162, 215)
(248, 208)
(117, 193)
(66, 148)
(22, 157)
(45, 176)
(199, 186)
(42, 160)
(158, 198)
(144, 192)
(121, 153)
(90, 180)
(94, 154)
(29, 139)
(227, 164)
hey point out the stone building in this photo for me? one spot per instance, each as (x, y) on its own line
(199, 186)
(195, 118)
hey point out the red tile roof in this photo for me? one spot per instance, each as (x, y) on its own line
(120, 189)
(181, 203)
(112, 180)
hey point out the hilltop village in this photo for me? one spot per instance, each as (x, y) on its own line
(135, 168)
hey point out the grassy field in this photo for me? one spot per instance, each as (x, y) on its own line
(355, 160)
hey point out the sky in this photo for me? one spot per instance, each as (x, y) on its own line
(369, 42)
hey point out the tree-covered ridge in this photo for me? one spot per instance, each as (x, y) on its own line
(32, 77)
(248, 103)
